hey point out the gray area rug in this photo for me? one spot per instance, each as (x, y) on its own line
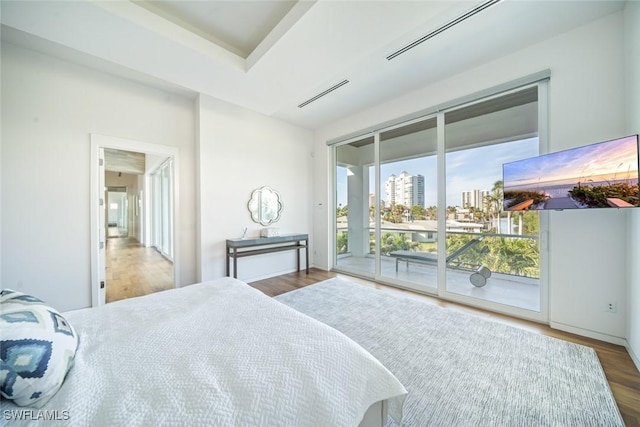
(462, 370)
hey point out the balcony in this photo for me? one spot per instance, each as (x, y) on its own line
(512, 259)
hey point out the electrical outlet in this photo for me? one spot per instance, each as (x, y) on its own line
(611, 307)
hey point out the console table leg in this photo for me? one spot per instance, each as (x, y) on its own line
(235, 263)
(306, 250)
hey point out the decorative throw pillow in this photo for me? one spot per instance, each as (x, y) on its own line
(37, 347)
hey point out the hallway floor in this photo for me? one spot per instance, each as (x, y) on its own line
(134, 270)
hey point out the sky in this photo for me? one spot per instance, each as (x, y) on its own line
(466, 170)
(616, 159)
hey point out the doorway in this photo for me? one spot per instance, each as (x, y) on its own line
(124, 214)
(136, 266)
(117, 212)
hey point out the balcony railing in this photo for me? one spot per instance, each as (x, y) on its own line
(511, 254)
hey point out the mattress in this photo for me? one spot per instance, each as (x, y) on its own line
(218, 353)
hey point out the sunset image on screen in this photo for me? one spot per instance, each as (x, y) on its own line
(594, 176)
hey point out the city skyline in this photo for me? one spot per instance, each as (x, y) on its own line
(466, 170)
(404, 189)
(475, 198)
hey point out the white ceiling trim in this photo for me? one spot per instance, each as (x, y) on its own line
(290, 19)
(167, 29)
(153, 7)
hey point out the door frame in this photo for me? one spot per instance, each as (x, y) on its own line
(99, 142)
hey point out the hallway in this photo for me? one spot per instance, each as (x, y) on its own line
(133, 270)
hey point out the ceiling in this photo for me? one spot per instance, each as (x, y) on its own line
(238, 26)
(124, 161)
(271, 56)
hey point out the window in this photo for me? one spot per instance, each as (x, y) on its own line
(419, 204)
(355, 240)
(408, 220)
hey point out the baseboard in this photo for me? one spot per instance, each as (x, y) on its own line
(634, 357)
(274, 274)
(590, 334)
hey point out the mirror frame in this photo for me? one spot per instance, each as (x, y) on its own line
(265, 205)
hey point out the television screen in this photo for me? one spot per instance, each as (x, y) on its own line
(602, 175)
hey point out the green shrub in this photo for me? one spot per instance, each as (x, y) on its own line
(596, 197)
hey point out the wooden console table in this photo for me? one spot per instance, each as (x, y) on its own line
(238, 248)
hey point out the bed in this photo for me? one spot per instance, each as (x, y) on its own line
(218, 353)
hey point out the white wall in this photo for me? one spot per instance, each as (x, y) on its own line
(240, 151)
(588, 263)
(49, 108)
(632, 55)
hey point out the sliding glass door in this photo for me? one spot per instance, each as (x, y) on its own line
(354, 207)
(408, 204)
(491, 255)
(419, 204)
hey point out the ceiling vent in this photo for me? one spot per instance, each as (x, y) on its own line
(444, 27)
(321, 94)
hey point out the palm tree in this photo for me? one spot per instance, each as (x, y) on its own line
(396, 214)
(515, 256)
(451, 212)
(432, 213)
(418, 212)
(494, 202)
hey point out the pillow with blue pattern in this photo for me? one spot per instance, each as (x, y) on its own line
(37, 347)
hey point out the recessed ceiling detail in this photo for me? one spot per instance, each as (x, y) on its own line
(316, 44)
(444, 27)
(237, 26)
(323, 93)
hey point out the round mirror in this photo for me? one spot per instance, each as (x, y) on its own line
(265, 206)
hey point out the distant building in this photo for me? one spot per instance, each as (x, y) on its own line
(390, 190)
(475, 199)
(372, 201)
(405, 189)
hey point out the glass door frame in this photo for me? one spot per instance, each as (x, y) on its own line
(413, 286)
(441, 291)
(333, 205)
(543, 146)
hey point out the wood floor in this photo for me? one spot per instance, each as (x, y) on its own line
(134, 270)
(623, 377)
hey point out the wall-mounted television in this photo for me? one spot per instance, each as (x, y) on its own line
(601, 175)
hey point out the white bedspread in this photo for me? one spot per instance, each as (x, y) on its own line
(218, 354)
